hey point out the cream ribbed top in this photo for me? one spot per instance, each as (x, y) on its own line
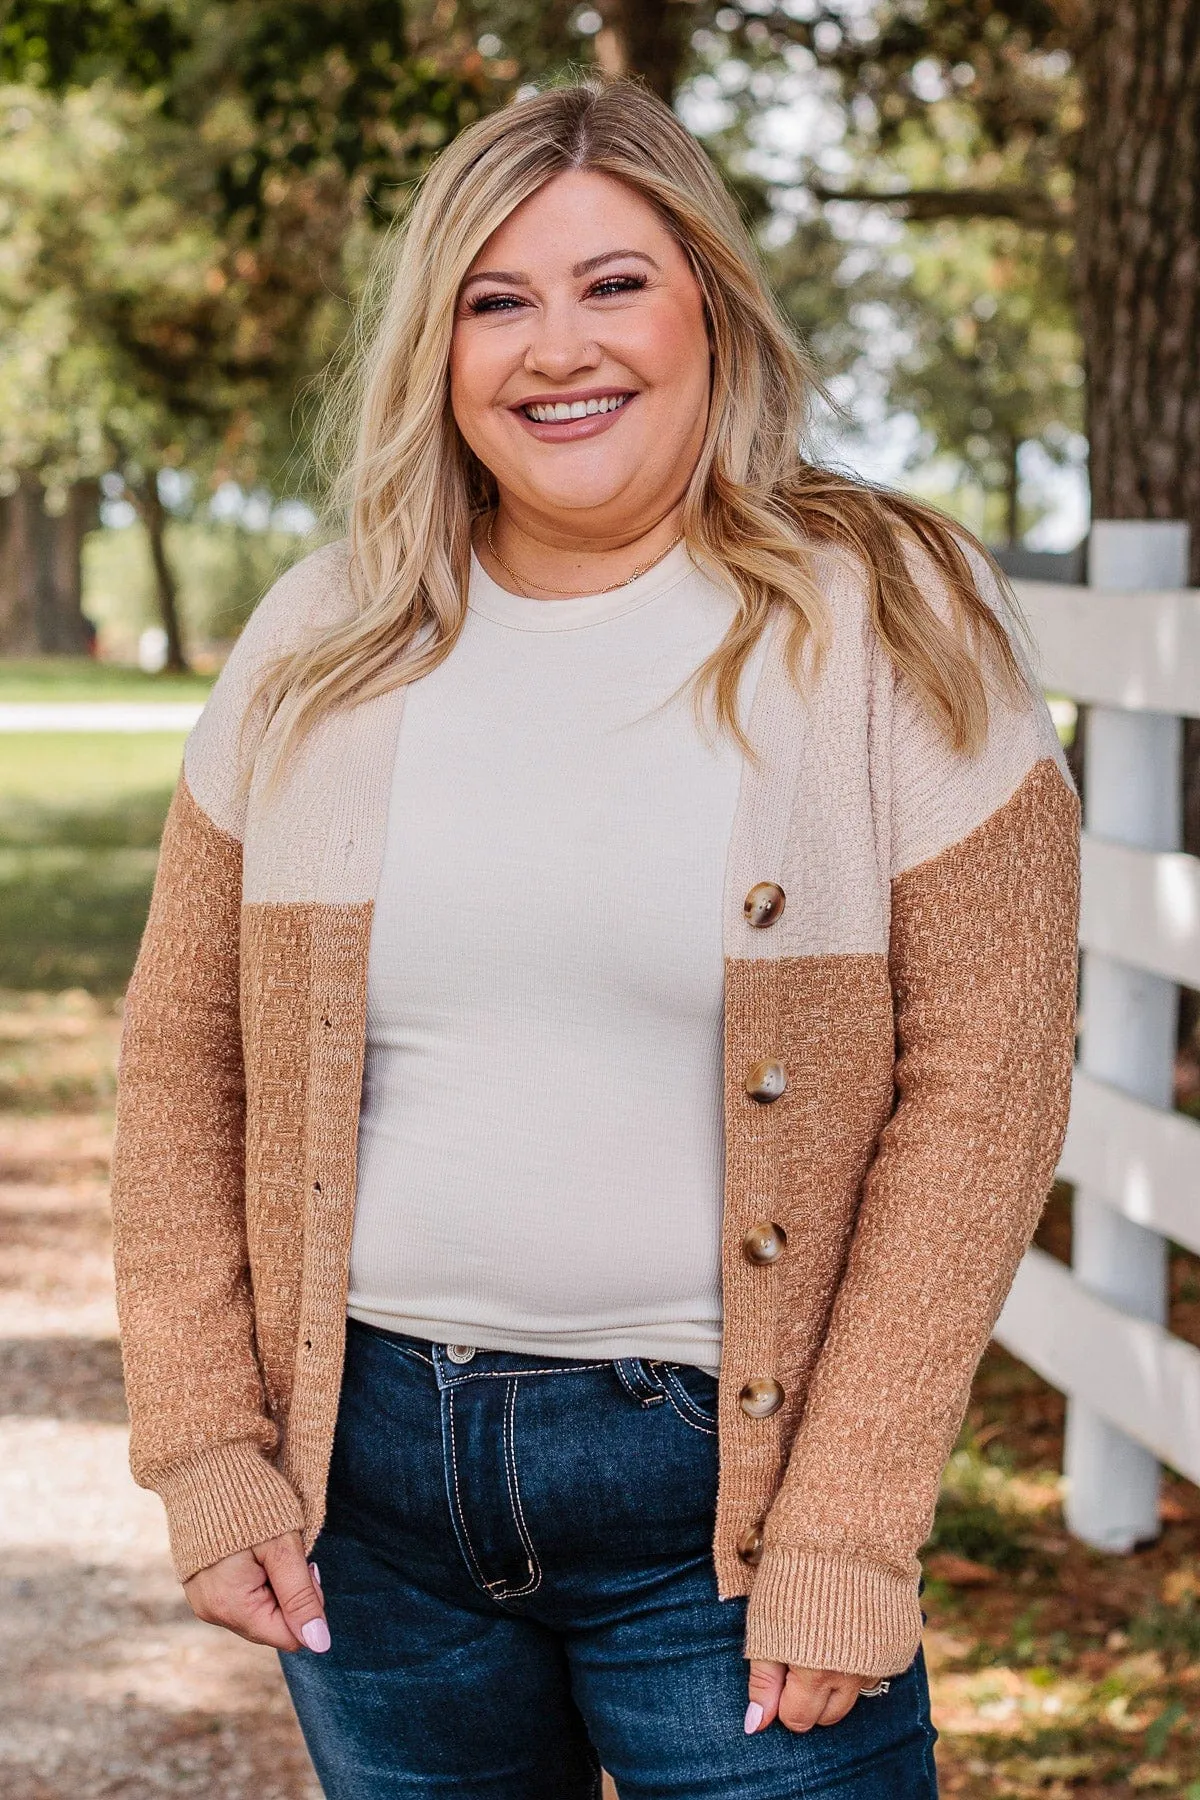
(541, 1152)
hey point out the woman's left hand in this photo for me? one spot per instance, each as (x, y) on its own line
(799, 1698)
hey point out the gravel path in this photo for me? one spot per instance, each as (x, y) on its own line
(119, 1690)
(99, 715)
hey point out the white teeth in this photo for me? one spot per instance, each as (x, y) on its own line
(575, 409)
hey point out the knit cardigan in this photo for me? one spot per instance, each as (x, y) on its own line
(916, 990)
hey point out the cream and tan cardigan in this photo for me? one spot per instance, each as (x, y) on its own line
(916, 990)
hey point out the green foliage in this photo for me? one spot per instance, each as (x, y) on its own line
(223, 571)
(1174, 1630)
(994, 358)
(273, 90)
(976, 1516)
(1160, 1729)
(65, 43)
(188, 189)
(134, 334)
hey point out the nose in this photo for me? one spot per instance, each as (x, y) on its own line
(561, 343)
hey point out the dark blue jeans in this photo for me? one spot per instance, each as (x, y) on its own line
(518, 1572)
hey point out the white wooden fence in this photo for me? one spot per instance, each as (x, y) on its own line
(1128, 644)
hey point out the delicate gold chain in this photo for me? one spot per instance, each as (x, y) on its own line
(567, 594)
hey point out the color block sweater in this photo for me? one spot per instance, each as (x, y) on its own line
(897, 1051)
(540, 1147)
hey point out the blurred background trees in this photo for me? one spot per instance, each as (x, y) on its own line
(189, 190)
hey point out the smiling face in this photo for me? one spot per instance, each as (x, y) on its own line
(579, 367)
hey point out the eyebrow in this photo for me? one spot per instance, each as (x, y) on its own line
(516, 278)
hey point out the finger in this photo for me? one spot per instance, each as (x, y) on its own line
(236, 1595)
(297, 1594)
(804, 1697)
(766, 1685)
(842, 1699)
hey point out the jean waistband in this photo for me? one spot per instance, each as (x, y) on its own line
(640, 1376)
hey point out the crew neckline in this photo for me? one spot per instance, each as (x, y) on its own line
(486, 597)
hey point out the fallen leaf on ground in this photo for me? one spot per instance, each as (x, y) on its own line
(1180, 1585)
(959, 1571)
(1154, 1775)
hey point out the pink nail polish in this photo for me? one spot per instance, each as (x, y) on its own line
(316, 1573)
(754, 1713)
(316, 1634)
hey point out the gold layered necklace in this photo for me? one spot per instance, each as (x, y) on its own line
(568, 594)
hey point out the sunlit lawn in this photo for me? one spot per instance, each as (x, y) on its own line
(80, 816)
(1057, 1672)
(61, 678)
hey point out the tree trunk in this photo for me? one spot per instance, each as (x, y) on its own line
(41, 584)
(65, 629)
(1137, 275)
(154, 518)
(646, 38)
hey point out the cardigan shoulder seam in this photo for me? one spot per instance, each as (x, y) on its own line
(228, 838)
(1039, 763)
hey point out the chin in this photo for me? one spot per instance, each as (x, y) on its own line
(578, 499)
(583, 489)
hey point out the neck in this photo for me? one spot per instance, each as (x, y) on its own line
(550, 562)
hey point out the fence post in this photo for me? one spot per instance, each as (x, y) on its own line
(1132, 795)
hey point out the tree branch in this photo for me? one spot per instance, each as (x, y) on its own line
(1039, 211)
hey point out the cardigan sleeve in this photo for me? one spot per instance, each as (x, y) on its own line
(199, 1431)
(201, 1434)
(983, 962)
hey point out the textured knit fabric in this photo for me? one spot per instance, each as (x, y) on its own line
(540, 1153)
(917, 990)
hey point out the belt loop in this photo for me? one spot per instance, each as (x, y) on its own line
(639, 1380)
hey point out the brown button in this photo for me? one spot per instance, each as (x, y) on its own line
(761, 1397)
(766, 1081)
(764, 903)
(764, 1242)
(750, 1545)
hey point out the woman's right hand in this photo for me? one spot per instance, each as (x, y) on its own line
(269, 1594)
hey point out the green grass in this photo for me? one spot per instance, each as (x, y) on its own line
(80, 819)
(975, 1517)
(72, 678)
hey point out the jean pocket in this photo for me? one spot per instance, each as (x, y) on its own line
(693, 1394)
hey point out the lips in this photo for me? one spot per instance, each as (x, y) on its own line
(570, 418)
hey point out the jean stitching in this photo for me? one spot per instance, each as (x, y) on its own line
(516, 1374)
(514, 1498)
(458, 1508)
(682, 1401)
(654, 1398)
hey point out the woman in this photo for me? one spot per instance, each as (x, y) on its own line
(666, 1108)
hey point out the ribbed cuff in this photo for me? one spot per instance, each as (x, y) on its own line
(222, 1500)
(832, 1612)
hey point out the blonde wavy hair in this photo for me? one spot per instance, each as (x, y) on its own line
(407, 490)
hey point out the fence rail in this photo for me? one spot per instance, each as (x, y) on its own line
(1127, 646)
